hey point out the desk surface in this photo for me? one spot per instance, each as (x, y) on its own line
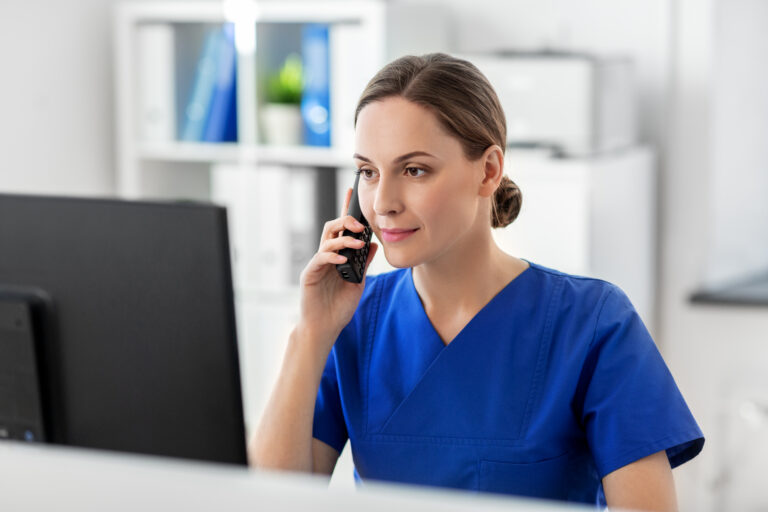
(44, 477)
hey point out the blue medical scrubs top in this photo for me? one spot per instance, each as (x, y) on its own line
(551, 386)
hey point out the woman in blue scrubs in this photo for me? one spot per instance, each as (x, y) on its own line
(466, 367)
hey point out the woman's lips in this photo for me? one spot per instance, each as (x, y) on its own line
(396, 235)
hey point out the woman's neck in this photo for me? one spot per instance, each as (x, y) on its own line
(467, 277)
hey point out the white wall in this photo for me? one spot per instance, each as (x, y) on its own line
(718, 354)
(639, 28)
(56, 96)
(739, 186)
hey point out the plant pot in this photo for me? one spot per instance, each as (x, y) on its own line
(282, 124)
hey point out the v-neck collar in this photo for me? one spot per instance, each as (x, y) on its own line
(488, 307)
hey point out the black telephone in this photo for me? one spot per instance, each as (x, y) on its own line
(353, 269)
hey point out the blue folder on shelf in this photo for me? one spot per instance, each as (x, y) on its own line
(316, 97)
(221, 124)
(211, 112)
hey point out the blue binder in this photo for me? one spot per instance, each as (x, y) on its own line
(315, 101)
(221, 124)
(196, 111)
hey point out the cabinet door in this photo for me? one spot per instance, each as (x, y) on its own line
(593, 217)
(553, 228)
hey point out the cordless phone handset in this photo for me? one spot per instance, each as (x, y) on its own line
(353, 269)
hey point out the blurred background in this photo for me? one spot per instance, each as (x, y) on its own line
(636, 131)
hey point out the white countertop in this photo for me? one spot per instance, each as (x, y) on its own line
(45, 477)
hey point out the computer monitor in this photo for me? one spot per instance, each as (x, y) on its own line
(131, 325)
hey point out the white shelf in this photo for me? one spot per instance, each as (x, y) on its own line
(289, 156)
(275, 11)
(178, 12)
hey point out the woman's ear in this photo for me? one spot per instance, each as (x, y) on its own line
(492, 163)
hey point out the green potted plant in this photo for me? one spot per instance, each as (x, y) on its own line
(281, 114)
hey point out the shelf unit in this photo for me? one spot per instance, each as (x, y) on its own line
(363, 36)
(250, 177)
(361, 42)
(289, 156)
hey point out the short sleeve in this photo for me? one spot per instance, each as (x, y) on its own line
(632, 406)
(328, 425)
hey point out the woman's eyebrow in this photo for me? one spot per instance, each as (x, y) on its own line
(398, 159)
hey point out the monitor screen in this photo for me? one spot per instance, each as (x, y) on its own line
(139, 350)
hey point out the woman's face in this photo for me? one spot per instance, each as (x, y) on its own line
(417, 190)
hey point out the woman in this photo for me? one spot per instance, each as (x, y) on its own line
(466, 367)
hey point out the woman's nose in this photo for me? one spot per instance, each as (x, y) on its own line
(387, 200)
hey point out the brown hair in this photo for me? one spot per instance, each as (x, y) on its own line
(465, 105)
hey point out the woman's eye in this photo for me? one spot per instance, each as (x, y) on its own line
(367, 173)
(415, 171)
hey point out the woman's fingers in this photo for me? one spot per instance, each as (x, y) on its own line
(345, 207)
(333, 239)
(347, 198)
(317, 266)
(330, 258)
(333, 228)
(336, 244)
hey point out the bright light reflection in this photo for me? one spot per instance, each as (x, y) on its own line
(243, 13)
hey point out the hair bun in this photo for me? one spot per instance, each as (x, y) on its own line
(506, 203)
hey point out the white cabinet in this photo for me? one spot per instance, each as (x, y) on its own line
(589, 216)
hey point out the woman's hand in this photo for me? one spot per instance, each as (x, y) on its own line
(283, 439)
(328, 302)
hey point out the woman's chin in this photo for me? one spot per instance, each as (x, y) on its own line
(397, 259)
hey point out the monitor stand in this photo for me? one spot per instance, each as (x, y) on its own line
(21, 408)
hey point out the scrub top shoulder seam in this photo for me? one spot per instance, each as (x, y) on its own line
(611, 287)
(557, 273)
(603, 301)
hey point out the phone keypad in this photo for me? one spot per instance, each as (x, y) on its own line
(354, 268)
